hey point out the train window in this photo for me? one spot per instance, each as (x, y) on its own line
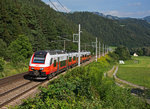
(62, 63)
(39, 58)
(51, 61)
(70, 59)
(74, 58)
(54, 63)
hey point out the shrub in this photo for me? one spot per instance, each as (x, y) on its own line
(123, 53)
(2, 62)
(20, 49)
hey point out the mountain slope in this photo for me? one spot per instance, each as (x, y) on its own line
(147, 19)
(40, 23)
(114, 32)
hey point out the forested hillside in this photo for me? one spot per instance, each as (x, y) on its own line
(36, 20)
(30, 25)
(131, 33)
(40, 25)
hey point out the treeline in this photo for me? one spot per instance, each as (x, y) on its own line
(141, 51)
(130, 32)
(120, 53)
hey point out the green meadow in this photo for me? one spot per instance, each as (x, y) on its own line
(136, 71)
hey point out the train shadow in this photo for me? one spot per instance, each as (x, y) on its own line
(28, 77)
(142, 93)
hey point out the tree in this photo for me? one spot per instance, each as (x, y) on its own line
(2, 48)
(1, 64)
(140, 51)
(20, 49)
(123, 53)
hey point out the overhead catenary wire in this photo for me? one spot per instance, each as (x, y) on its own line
(63, 6)
(53, 5)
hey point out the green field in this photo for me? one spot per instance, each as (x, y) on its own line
(136, 71)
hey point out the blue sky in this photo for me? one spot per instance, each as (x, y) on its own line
(120, 8)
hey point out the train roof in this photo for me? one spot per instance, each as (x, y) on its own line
(51, 52)
(54, 52)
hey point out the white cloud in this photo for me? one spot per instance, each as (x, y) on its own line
(127, 14)
(59, 7)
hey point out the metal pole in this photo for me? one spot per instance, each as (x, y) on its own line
(107, 49)
(96, 49)
(79, 46)
(99, 49)
(64, 45)
(103, 49)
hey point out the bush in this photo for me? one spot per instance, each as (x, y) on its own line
(2, 62)
(2, 48)
(19, 50)
(123, 53)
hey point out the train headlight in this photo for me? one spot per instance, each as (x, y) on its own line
(41, 68)
(32, 68)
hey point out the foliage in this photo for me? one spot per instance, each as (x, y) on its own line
(40, 23)
(128, 32)
(123, 53)
(114, 56)
(141, 51)
(10, 69)
(1, 64)
(84, 87)
(20, 49)
(2, 48)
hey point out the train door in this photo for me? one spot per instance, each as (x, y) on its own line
(67, 61)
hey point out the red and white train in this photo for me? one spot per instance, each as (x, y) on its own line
(45, 64)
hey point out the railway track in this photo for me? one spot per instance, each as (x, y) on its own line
(10, 79)
(16, 86)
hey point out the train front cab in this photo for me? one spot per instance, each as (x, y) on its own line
(38, 64)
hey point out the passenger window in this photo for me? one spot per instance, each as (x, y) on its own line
(62, 63)
(51, 61)
(54, 63)
(74, 58)
(70, 59)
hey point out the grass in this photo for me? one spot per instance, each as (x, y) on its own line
(11, 69)
(136, 71)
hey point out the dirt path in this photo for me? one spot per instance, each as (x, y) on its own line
(126, 82)
(135, 90)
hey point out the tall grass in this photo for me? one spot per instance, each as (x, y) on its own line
(12, 69)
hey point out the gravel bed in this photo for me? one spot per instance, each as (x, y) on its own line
(12, 85)
(14, 93)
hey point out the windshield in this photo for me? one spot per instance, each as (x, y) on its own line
(39, 58)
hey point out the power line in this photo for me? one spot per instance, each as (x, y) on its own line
(53, 5)
(62, 6)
